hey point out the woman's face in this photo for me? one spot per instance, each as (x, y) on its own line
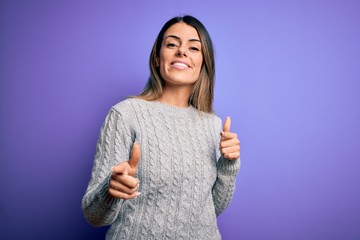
(180, 57)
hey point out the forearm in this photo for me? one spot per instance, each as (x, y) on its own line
(224, 187)
(99, 207)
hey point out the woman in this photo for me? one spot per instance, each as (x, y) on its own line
(165, 167)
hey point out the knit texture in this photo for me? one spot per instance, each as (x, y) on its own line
(184, 181)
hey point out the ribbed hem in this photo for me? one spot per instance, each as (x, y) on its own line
(228, 167)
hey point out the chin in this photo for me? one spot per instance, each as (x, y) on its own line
(181, 79)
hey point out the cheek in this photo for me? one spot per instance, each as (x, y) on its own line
(162, 68)
(163, 60)
(199, 63)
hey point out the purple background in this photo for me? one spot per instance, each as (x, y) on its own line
(288, 73)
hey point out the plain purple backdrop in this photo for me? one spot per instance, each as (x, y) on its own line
(288, 73)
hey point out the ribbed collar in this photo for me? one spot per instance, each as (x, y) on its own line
(167, 109)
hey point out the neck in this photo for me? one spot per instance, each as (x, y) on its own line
(178, 97)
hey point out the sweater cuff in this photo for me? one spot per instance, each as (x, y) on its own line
(228, 167)
(106, 199)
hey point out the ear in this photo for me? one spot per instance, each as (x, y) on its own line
(157, 64)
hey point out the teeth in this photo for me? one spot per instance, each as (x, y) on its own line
(180, 64)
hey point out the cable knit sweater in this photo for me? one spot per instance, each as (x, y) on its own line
(184, 181)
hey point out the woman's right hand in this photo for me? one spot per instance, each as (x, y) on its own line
(123, 183)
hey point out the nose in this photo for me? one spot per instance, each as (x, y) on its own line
(181, 52)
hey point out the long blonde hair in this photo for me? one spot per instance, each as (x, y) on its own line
(202, 93)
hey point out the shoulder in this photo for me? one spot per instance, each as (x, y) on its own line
(211, 116)
(127, 106)
(122, 110)
(215, 117)
(131, 107)
(122, 106)
(217, 121)
(126, 114)
(212, 119)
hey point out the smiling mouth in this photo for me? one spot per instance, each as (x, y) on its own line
(180, 65)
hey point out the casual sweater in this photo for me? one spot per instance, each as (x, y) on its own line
(184, 181)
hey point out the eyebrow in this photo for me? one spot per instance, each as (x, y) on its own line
(178, 38)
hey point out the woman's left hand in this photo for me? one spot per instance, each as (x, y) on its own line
(229, 142)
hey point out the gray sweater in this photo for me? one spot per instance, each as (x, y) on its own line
(184, 181)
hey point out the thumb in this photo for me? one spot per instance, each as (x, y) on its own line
(227, 124)
(135, 155)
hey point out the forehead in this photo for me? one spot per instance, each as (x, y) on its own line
(183, 31)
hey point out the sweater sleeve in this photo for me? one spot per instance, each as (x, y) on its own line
(224, 187)
(113, 147)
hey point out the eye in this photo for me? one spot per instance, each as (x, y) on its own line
(171, 45)
(194, 49)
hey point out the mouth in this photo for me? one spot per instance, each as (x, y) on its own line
(180, 64)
